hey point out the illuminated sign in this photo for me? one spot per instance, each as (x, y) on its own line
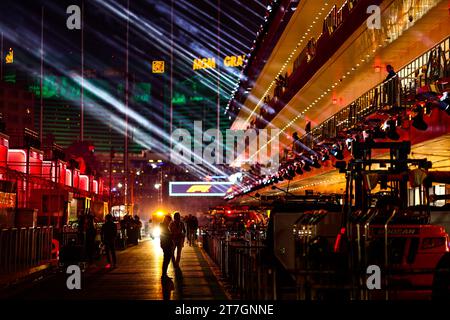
(9, 56)
(158, 66)
(210, 63)
(234, 61)
(205, 63)
(181, 99)
(198, 189)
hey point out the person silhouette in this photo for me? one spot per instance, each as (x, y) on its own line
(178, 231)
(166, 243)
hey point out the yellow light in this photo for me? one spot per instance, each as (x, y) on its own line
(157, 66)
(159, 213)
(9, 56)
(156, 232)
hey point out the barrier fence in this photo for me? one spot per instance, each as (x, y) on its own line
(22, 248)
(243, 265)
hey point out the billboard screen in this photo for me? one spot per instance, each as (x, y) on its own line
(198, 189)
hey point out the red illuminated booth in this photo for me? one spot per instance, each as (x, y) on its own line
(7, 188)
(84, 182)
(4, 145)
(61, 167)
(26, 162)
(49, 170)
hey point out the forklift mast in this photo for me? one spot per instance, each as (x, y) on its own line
(392, 172)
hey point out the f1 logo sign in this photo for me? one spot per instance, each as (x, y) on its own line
(199, 188)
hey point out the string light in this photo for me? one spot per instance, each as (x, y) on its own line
(279, 73)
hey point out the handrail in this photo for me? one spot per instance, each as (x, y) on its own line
(25, 248)
(374, 99)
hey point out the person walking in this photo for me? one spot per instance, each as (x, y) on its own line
(187, 221)
(194, 227)
(178, 231)
(109, 234)
(166, 243)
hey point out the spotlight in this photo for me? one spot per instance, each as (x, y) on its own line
(348, 143)
(287, 176)
(417, 120)
(298, 169)
(444, 103)
(391, 131)
(336, 152)
(291, 171)
(315, 163)
(306, 166)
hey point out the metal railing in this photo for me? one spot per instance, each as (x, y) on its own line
(243, 265)
(22, 248)
(399, 91)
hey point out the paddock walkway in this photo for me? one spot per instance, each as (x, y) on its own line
(136, 277)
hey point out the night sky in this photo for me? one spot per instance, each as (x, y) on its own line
(196, 33)
(199, 28)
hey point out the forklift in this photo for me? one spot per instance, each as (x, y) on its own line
(327, 247)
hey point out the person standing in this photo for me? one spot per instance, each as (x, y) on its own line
(138, 226)
(166, 243)
(109, 234)
(194, 227)
(178, 231)
(390, 86)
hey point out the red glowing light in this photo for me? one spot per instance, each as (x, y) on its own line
(338, 240)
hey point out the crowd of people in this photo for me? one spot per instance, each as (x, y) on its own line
(95, 240)
(173, 235)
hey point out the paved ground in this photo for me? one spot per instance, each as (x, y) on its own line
(137, 276)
